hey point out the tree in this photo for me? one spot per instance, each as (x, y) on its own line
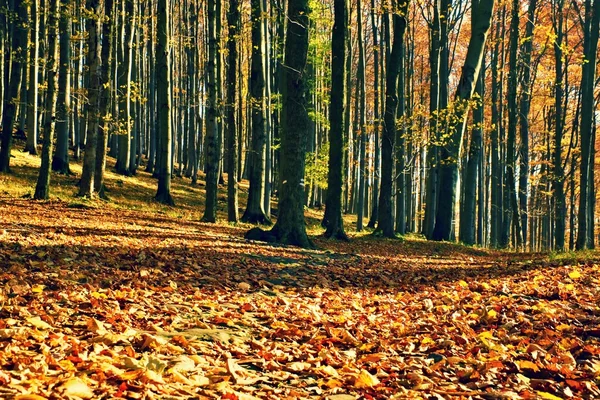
(212, 136)
(163, 193)
(233, 20)
(42, 188)
(94, 26)
(32, 95)
(256, 167)
(11, 94)
(290, 227)
(482, 12)
(60, 160)
(385, 225)
(333, 221)
(588, 82)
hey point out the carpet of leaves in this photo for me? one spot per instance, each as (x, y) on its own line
(119, 304)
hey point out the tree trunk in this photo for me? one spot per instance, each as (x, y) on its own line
(363, 134)
(333, 221)
(12, 89)
(212, 136)
(588, 79)
(385, 225)
(32, 95)
(42, 188)
(482, 13)
(94, 23)
(163, 99)
(376, 122)
(108, 32)
(256, 167)
(60, 161)
(233, 21)
(291, 226)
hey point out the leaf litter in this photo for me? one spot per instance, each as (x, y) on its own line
(123, 304)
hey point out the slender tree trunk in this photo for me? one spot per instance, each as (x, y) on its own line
(212, 136)
(363, 134)
(376, 122)
(333, 221)
(385, 225)
(12, 89)
(524, 104)
(42, 188)
(108, 32)
(60, 161)
(588, 79)
(163, 68)
(32, 95)
(467, 217)
(256, 173)
(94, 25)
(233, 21)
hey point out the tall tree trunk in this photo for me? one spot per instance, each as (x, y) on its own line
(212, 136)
(233, 21)
(32, 95)
(432, 184)
(385, 225)
(588, 79)
(401, 192)
(362, 170)
(42, 188)
(163, 99)
(497, 214)
(376, 122)
(256, 173)
(510, 204)
(558, 179)
(524, 104)
(60, 161)
(12, 89)
(333, 221)
(291, 226)
(108, 33)
(482, 12)
(467, 217)
(94, 61)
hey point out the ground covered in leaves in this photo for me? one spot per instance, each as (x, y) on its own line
(102, 303)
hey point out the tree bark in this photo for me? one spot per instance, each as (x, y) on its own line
(42, 188)
(450, 154)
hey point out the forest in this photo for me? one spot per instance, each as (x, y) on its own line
(299, 199)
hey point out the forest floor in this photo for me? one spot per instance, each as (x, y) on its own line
(131, 299)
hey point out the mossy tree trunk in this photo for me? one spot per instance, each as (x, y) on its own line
(233, 20)
(291, 226)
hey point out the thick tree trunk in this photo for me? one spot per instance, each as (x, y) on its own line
(361, 82)
(94, 23)
(482, 13)
(291, 226)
